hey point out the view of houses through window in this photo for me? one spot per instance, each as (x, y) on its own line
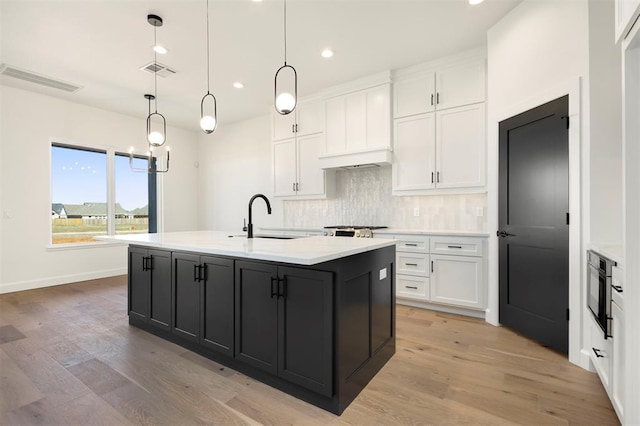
(79, 195)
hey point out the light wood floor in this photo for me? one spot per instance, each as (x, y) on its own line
(68, 356)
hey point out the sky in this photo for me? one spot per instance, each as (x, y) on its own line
(79, 176)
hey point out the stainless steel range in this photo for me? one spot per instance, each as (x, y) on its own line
(351, 231)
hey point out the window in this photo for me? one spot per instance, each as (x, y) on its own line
(81, 207)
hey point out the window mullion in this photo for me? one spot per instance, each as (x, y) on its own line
(111, 193)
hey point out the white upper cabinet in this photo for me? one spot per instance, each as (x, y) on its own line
(284, 167)
(458, 84)
(311, 178)
(460, 147)
(461, 84)
(626, 13)
(306, 119)
(414, 152)
(440, 128)
(359, 120)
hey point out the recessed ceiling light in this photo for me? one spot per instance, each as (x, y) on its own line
(327, 53)
(474, 2)
(160, 49)
(237, 84)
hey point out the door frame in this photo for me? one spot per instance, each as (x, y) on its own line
(578, 195)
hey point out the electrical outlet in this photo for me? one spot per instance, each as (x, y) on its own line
(416, 211)
(479, 211)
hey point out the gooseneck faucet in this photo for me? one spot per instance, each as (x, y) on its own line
(250, 225)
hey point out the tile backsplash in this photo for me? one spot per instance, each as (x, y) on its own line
(363, 197)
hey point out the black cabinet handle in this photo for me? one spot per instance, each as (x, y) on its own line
(202, 269)
(144, 263)
(455, 247)
(438, 98)
(411, 244)
(195, 273)
(408, 286)
(282, 293)
(597, 352)
(432, 266)
(411, 264)
(432, 99)
(437, 177)
(504, 234)
(273, 291)
(617, 288)
(432, 172)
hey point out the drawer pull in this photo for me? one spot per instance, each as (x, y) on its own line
(411, 264)
(409, 286)
(411, 244)
(597, 352)
(459, 247)
(617, 288)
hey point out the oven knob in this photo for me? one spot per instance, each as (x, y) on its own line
(357, 233)
(325, 233)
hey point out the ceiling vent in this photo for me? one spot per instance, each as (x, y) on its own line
(32, 77)
(159, 69)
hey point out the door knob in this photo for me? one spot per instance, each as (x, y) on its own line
(504, 234)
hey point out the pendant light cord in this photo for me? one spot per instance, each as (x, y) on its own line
(155, 65)
(285, 32)
(208, 60)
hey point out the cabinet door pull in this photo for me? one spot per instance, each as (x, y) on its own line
(297, 128)
(294, 186)
(411, 264)
(297, 186)
(431, 177)
(410, 286)
(144, 263)
(293, 128)
(458, 247)
(195, 273)
(411, 244)
(432, 266)
(273, 289)
(204, 272)
(617, 288)
(282, 293)
(597, 352)
(438, 177)
(432, 99)
(438, 98)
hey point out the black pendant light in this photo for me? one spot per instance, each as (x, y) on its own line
(151, 165)
(208, 122)
(156, 123)
(284, 101)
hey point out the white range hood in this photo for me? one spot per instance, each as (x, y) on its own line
(358, 159)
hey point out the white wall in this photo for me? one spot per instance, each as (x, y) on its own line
(235, 164)
(29, 122)
(605, 126)
(539, 52)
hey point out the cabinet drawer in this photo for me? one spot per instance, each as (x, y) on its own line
(414, 245)
(466, 246)
(412, 264)
(411, 287)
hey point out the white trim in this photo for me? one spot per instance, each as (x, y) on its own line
(63, 279)
(577, 298)
(441, 308)
(77, 246)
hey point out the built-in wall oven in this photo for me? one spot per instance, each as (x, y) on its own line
(599, 289)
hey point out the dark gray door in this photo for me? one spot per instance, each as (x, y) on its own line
(138, 283)
(257, 315)
(217, 304)
(186, 296)
(533, 223)
(159, 265)
(305, 328)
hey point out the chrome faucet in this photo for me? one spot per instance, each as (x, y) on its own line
(250, 225)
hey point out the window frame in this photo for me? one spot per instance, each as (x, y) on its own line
(110, 152)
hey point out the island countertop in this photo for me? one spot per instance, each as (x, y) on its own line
(300, 251)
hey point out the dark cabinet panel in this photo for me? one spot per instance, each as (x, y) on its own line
(355, 329)
(256, 315)
(217, 304)
(381, 308)
(159, 269)
(305, 328)
(138, 283)
(186, 296)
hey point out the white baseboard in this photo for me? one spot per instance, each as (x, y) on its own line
(63, 279)
(585, 360)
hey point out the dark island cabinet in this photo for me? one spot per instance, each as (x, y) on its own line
(203, 300)
(150, 286)
(284, 323)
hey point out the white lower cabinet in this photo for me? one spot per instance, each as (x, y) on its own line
(440, 272)
(457, 280)
(601, 350)
(618, 362)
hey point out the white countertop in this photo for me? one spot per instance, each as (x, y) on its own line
(609, 250)
(300, 251)
(429, 232)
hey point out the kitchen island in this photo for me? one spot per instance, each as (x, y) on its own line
(313, 317)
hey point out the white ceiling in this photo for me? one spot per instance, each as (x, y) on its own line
(101, 45)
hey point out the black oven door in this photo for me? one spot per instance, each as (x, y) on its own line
(597, 286)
